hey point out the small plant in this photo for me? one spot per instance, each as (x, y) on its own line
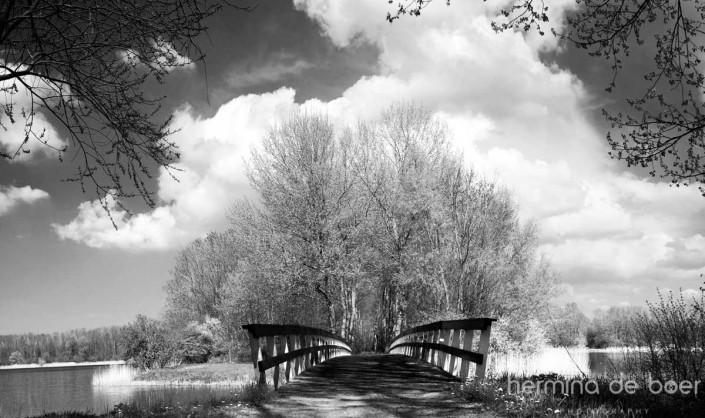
(256, 394)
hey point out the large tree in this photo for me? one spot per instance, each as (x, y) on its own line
(200, 277)
(663, 127)
(84, 64)
(307, 192)
(370, 229)
(445, 243)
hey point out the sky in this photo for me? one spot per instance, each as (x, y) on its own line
(524, 110)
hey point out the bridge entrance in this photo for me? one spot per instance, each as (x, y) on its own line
(458, 349)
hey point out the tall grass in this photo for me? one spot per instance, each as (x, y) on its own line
(567, 362)
(186, 375)
(114, 376)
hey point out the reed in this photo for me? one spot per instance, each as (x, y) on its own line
(118, 375)
(571, 362)
(186, 375)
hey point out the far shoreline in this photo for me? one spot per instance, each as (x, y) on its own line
(62, 364)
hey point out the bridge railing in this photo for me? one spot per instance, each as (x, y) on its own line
(450, 345)
(297, 346)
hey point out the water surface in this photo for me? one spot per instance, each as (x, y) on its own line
(30, 392)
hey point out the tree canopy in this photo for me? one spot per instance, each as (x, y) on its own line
(83, 64)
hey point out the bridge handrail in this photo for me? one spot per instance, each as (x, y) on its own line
(268, 330)
(298, 346)
(479, 324)
(438, 343)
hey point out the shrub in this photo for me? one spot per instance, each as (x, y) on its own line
(673, 333)
(195, 348)
(16, 358)
(147, 344)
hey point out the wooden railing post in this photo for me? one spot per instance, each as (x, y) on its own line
(449, 358)
(445, 339)
(467, 345)
(483, 349)
(284, 348)
(432, 352)
(307, 358)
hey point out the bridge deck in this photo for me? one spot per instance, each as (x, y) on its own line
(369, 386)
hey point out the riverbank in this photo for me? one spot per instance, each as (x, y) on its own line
(242, 401)
(208, 374)
(199, 374)
(63, 364)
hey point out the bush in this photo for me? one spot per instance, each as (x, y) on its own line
(195, 348)
(16, 358)
(148, 344)
(673, 333)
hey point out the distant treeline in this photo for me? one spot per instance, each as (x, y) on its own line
(614, 327)
(76, 345)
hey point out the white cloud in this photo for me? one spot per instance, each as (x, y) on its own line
(524, 122)
(95, 228)
(514, 117)
(166, 54)
(42, 140)
(691, 293)
(212, 177)
(279, 66)
(11, 196)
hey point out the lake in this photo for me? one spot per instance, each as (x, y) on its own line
(29, 392)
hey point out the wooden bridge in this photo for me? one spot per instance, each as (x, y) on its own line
(414, 377)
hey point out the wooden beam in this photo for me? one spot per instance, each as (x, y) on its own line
(274, 361)
(268, 330)
(480, 324)
(458, 352)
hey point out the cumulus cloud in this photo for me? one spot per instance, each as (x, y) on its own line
(211, 178)
(523, 122)
(94, 227)
(11, 196)
(517, 119)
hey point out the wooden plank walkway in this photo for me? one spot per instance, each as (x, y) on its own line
(375, 385)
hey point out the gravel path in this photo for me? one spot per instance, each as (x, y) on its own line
(369, 386)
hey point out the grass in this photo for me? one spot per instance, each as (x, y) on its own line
(239, 375)
(595, 400)
(248, 395)
(208, 373)
(221, 374)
